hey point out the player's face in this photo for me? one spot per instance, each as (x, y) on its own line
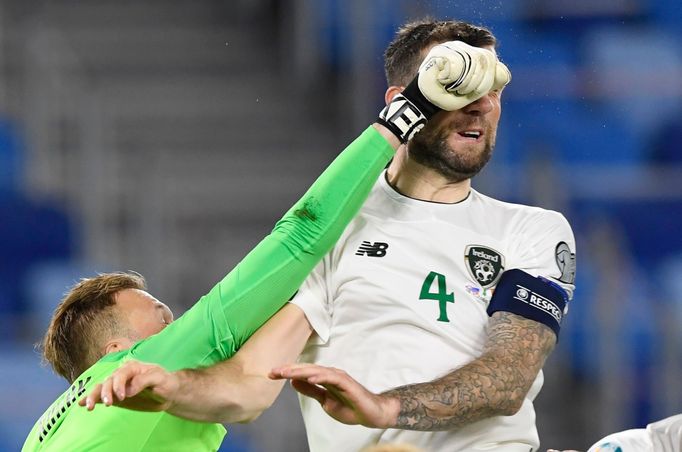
(145, 314)
(459, 143)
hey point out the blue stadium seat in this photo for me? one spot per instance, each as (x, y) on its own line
(666, 144)
(651, 226)
(522, 45)
(565, 130)
(479, 12)
(668, 12)
(30, 232)
(636, 71)
(11, 156)
(44, 286)
(30, 388)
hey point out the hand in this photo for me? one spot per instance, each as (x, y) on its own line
(340, 395)
(452, 76)
(455, 74)
(136, 386)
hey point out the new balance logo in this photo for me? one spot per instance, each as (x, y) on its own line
(376, 249)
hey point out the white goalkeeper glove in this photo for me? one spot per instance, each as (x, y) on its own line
(452, 76)
(457, 68)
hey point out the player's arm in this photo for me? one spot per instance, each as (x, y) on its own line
(525, 312)
(494, 384)
(265, 279)
(235, 390)
(223, 320)
(246, 371)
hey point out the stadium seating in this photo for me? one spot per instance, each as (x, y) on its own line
(31, 232)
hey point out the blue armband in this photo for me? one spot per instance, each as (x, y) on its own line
(530, 297)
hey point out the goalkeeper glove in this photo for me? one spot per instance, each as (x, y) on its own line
(452, 76)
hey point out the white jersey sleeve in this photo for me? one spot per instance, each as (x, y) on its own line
(662, 436)
(313, 298)
(666, 434)
(636, 440)
(545, 247)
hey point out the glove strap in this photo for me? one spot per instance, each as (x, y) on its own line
(407, 113)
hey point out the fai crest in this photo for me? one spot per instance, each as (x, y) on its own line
(485, 264)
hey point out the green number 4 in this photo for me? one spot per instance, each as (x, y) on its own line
(441, 296)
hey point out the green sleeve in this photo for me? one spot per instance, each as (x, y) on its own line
(221, 321)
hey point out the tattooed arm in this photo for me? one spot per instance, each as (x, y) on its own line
(494, 384)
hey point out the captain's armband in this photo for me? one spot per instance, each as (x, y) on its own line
(531, 297)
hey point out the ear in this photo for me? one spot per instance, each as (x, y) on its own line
(117, 344)
(391, 92)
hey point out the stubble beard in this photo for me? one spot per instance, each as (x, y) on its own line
(432, 150)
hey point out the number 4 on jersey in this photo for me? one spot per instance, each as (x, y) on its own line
(441, 296)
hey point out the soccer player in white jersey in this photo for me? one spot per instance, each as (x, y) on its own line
(433, 276)
(432, 281)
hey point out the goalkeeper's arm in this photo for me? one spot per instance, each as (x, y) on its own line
(239, 389)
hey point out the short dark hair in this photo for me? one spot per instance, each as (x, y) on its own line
(405, 53)
(83, 320)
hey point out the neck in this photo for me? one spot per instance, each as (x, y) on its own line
(420, 182)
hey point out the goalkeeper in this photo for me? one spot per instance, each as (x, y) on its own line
(107, 320)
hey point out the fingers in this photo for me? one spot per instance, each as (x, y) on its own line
(335, 381)
(309, 372)
(304, 379)
(474, 80)
(107, 392)
(150, 379)
(94, 397)
(283, 372)
(309, 390)
(450, 70)
(100, 393)
(113, 389)
(120, 378)
(455, 74)
(502, 76)
(488, 62)
(114, 386)
(482, 79)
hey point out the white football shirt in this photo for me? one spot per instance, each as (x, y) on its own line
(402, 299)
(662, 436)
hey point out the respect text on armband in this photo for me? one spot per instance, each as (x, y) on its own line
(535, 300)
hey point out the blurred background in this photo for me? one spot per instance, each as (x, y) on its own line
(167, 137)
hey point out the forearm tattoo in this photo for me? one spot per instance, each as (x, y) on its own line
(493, 384)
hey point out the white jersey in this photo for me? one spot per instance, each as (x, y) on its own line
(402, 299)
(661, 436)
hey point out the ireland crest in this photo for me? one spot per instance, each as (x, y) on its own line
(484, 264)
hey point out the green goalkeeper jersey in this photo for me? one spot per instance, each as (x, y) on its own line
(221, 321)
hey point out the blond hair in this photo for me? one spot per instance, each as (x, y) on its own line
(83, 320)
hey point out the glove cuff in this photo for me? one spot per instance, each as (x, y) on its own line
(414, 95)
(407, 113)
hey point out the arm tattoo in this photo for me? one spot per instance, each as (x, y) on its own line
(494, 384)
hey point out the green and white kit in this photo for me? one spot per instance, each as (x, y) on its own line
(402, 299)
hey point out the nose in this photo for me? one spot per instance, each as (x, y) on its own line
(480, 107)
